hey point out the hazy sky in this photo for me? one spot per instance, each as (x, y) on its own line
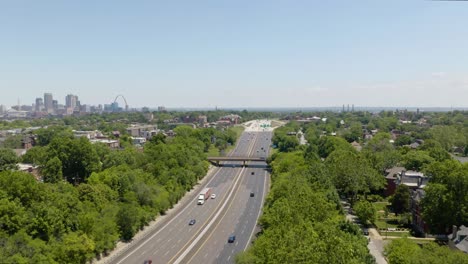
(238, 53)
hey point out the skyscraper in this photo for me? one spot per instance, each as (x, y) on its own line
(39, 104)
(49, 106)
(71, 101)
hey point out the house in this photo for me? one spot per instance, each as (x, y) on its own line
(391, 178)
(30, 168)
(459, 238)
(114, 144)
(87, 134)
(139, 141)
(232, 119)
(356, 146)
(138, 130)
(412, 179)
(416, 211)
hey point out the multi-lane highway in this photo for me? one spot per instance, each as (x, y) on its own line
(232, 212)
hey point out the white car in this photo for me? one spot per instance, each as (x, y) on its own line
(213, 196)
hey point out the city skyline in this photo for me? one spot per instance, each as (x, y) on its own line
(242, 54)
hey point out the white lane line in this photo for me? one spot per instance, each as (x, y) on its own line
(206, 255)
(178, 241)
(142, 253)
(229, 258)
(167, 252)
(259, 211)
(195, 241)
(189, 205)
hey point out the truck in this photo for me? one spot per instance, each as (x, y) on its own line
(204, 194)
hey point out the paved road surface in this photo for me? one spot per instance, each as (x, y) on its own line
(173, 237)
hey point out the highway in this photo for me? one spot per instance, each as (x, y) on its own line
(233, 211)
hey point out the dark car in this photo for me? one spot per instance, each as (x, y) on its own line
(253, 172)
(149, 261)
(192, 222)
(365, 232)
(231, 239)
(252, 194)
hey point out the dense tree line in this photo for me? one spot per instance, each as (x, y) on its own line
(405, 251)
(302, 220)
(93, 196)
(446, 200)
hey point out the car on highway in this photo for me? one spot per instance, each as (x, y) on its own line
(252, 194)
(253, 173)
(149, 261)
(213, 196)
(192, 222)
(231, 239)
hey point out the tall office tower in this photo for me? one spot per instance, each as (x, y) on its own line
(39, 104)
(49, 106)
(70, 101)
(55, 105)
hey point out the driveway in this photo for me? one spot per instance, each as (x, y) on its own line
(376, 243)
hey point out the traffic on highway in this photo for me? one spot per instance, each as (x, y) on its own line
(220, 219)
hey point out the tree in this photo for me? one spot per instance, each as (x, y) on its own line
(416, 160)
(36, 155)
(326, 145)
(74, 248)
(401, 199)
(52, 170)
(352, 174)
(403, 140)
(365, 211)
(8, 159)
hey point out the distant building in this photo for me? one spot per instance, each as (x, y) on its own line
(87, 134)
(49, 106)
(55, 105)
(141, 130)
(71, 101)
(232, 119)
(162, 109)
(138, 141)
(39, 104)
(202, 120)
(114, 144)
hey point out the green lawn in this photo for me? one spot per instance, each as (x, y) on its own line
(380, 206)
(395, 234)
(275, 123)
(380, 223)
(238, 130)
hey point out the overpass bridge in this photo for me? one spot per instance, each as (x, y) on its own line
(216, 160)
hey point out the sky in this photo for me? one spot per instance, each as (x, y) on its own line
(243, 53)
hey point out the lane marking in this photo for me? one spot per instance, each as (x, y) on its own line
(194, 242)
(236, 186)
(189, 205)
(259, 211)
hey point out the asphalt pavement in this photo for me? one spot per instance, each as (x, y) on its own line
(170, 239)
